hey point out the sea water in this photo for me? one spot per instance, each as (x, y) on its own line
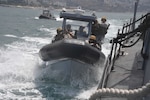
(23, 75)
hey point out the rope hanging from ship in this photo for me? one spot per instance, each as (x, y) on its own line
(121, 40)
(140, 30)
(135, 93)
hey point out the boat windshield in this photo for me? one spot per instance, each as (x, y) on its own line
(46, 12)
(80, 28)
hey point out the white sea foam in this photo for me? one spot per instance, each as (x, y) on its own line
(59, 19)
(36, 18)
(9, 35)
(45, 29)
(40, 40)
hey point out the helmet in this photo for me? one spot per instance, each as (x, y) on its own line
(103, 19)
(92, 37)
(59, 29)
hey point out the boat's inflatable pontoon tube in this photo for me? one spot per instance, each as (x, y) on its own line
(71, 48)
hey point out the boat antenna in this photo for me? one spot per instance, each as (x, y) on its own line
(135, 11)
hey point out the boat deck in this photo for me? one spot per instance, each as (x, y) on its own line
(127, 72)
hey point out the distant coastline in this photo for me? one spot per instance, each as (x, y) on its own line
(18, 6)
(59, 8)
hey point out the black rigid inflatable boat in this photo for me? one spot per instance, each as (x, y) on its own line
(74, 48)
(47, 15)
(74, 60)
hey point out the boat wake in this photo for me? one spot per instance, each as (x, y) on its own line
(36, 18)
(59, 19)
(16, 77)
(24, 76)
(64, 82)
